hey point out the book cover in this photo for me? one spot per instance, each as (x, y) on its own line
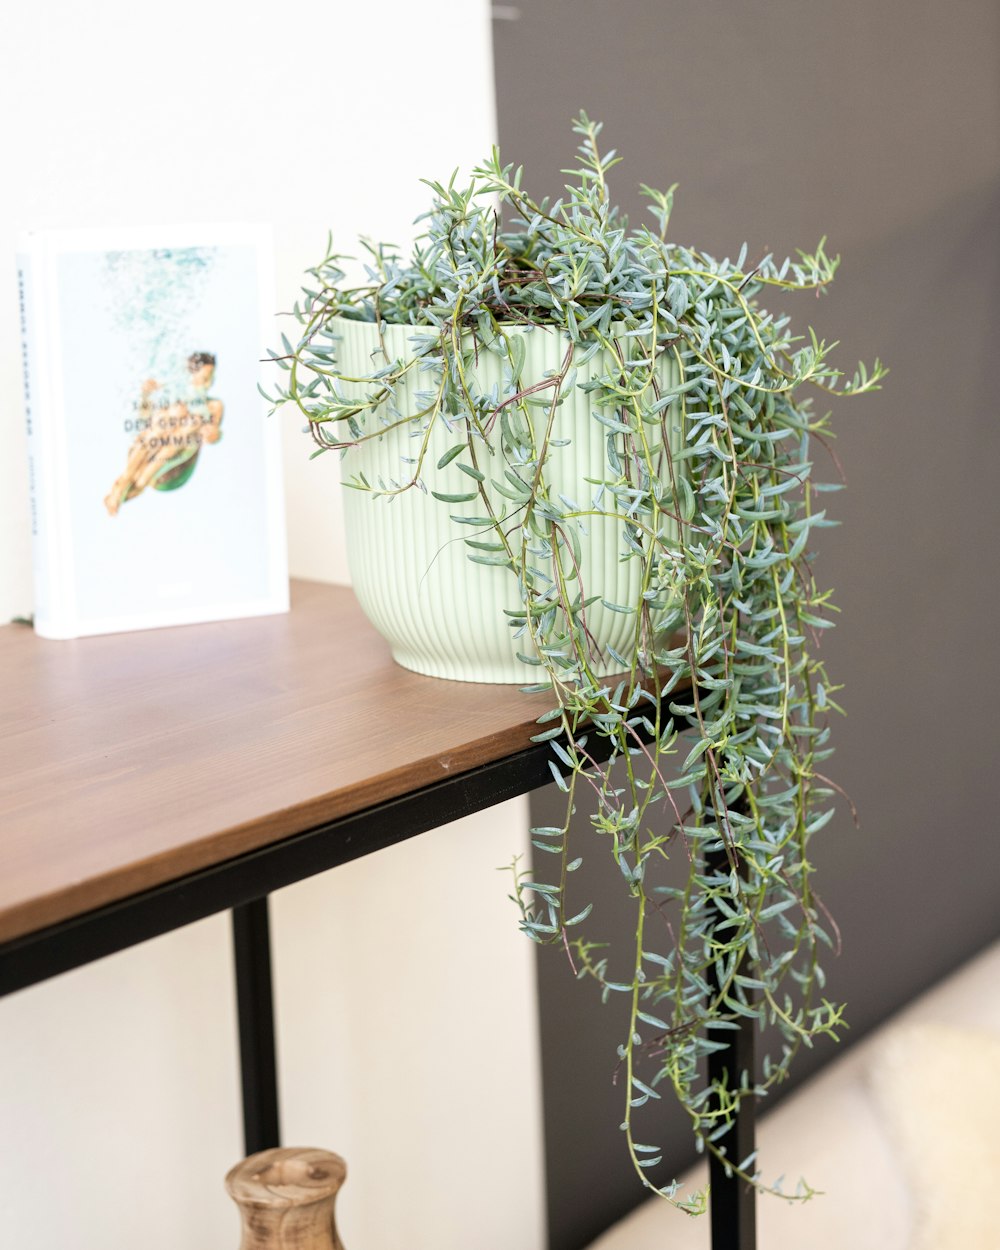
(155, 474)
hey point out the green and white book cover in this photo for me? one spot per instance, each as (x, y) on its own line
(155, 473)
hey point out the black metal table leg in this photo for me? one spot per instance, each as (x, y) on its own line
(255, 1012)
(733, 1202)
(733, 1206)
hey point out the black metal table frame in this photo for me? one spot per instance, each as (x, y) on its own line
(243, 884)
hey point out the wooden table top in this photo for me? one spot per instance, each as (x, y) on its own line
(133, 759)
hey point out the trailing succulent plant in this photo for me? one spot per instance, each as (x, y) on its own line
(717, 513)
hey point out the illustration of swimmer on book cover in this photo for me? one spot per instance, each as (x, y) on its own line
(155, 473)
(171, 427)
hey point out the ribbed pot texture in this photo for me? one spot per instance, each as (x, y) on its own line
(441, 614)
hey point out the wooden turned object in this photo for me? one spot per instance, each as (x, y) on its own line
(286, 1198)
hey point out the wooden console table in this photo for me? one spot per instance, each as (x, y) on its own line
(150, 779)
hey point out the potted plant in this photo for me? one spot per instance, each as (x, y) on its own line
(588, 451)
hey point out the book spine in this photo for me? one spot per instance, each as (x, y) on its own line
(31, 297)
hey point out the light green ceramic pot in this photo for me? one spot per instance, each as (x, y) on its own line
(441, 614)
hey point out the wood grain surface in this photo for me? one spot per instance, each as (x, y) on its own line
(133, 759)
(286, 1198)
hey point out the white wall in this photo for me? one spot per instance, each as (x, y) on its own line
(411, 1053)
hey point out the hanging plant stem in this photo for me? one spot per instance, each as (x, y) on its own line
(704, 403)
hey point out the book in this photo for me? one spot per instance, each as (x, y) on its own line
(155, 474)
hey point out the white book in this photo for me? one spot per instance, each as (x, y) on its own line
(155, 473)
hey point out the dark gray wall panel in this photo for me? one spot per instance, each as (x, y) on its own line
(878, 124)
